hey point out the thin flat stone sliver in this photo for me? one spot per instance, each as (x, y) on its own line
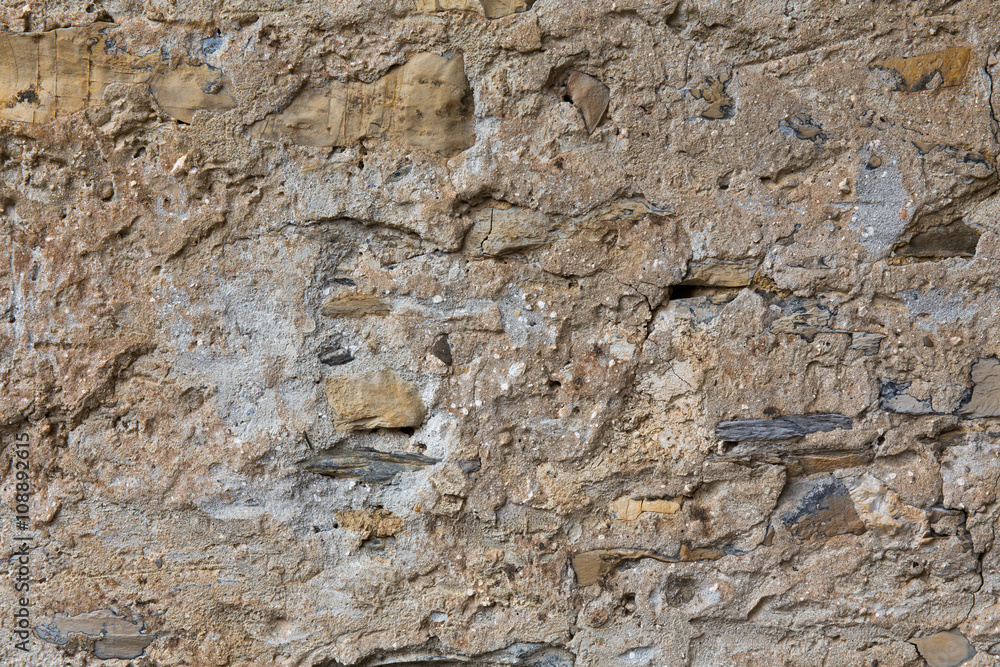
(782, 428)
(117, 637)
(367, 465)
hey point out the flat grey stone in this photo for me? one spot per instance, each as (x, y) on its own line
(367, 465)
(782, 428)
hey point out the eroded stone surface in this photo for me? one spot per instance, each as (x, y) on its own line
(692, 360)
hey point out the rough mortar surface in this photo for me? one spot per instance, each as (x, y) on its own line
(557, 333)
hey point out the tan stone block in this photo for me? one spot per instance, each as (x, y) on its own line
(947, 67)
(427, 102)
(354, 305)
(945, 649)
(590, 96)
(377, 400)
(46, 75)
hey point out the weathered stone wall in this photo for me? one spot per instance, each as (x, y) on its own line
(500, 332)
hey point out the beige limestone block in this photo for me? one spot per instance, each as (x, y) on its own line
(354, 305)
(629, 509)
(945, 649)
(46, 75)
(929, 70)
(490, 8)
(427, 103)
(377, 400)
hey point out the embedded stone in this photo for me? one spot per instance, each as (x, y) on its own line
(714, 92)
(367, 464)
(955, 239)
(592, 566)
(930, 70)
(628, 509)
(945, 649)
(868, 342)
(490, 8)
(442, 349)
(514, 230)
(984, 401)
(821, 508)
(721, 273)
(894, 397)
(817, 463)
(590, 96)
(354, 305)
(426, 102)
(118, 638)
(781, 428)
(50, 74)
(377, 400)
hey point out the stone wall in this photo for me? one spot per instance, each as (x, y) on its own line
(500, 332)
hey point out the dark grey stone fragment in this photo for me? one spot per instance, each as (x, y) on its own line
(782, 428)
(366, 464)
(337, 357)
(524, 654)
(820, 508)
(955, 239)
(442, 349)
(893, 397)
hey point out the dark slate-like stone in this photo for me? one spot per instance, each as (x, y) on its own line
(893, 397)
(782, 428)
(956, 239)
(337, 357)
(442, 349)
(820, 508)
(524, 654)
(368, 465)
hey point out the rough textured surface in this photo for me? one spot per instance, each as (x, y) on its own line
(498, 332)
